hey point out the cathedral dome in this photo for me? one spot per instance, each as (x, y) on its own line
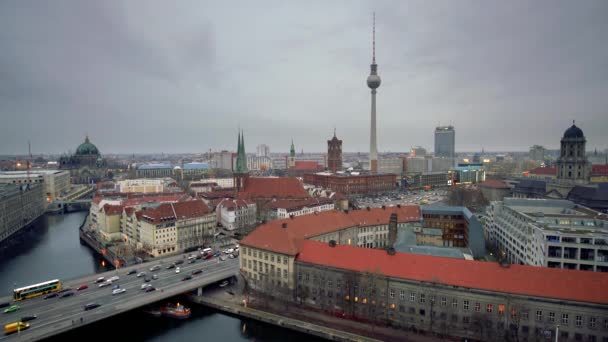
(87, 148)
(573, 132)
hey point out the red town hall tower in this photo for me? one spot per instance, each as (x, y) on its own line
(334, 154)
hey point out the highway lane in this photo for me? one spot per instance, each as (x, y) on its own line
(59, 312)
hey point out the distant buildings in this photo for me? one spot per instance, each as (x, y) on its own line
(467, 174)
(537, 153)
(494, 190)
(263, 151)
(395, 165)
(352, 184)
(445, 141)
(417, 151)
(86, 165)
(20, 205)
(222, 160)
(143, 185)
(154, 171)
(549, 233)
(334, 154)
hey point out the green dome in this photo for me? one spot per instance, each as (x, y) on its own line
(86, 148)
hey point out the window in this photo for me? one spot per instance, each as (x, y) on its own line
(272, 258)
(392, 293)
(422, 298)
(579, 321)
(477, 307)
(551, 317)
(454, 303)
(465, 319)
(465, 305)
(285, 260)
(524, 315)
(402, 294)
(443, 301)
(307, 276)
(413, 299)
(539, 315)
(330, 283)
(592, 322)
(285, 274)
(564, 318)
(489, 308)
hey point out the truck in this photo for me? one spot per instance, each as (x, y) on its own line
(14, 327)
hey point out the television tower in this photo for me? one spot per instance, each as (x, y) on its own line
(373, 81)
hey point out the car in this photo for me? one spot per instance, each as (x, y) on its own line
(199, 257)
(82, 287)
(170, 266)
(188, 277)
(100, 280)
(91, 306)
(190, 257)
(217, 254)
(11, 308)
(64, 290)
(141, 274)
(223, 258)
(105, 283)
(5, 304)
(28, 318)
(147, 280)
(114, 278)
(150, 289)
(177, 270)
(115, 287)
(67, 294)
(132, 272)
(154, 268)
(118, 291)
(145, 286)
(178, 262)
(154, 276)
(208, 256)
(197, 272)
(192, 261)
(51, 295)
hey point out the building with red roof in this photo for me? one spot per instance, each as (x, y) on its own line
(544, 173)
(282, 209)
(236, 213)
(351, 184)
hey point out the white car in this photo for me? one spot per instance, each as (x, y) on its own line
(105, 283)
(145, 285)
(114, 278)
(118, 291)
(154, 268)
(177, 270)
(141, 274)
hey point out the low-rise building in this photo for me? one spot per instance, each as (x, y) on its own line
(429, 179)
(236, 214)
(352, 184)
(142, 185)
(549, 233)
(56, 183)
(20, 205)
(154, 171)
(285, 209)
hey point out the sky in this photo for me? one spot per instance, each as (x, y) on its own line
(184, 76)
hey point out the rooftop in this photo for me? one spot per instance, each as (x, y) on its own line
(297, 205)
(545, 282)
(271, 187)
(175, 211)
(552, 171)
(284, 236)
(494, 184)
(154, 166)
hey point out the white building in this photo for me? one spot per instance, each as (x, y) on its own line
(258, 163)
(285, 209)
(222, 160)
(549, 233)
(143, 185)
(221, 182)
(236, 214)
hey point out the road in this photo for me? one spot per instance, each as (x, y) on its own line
(57, 315)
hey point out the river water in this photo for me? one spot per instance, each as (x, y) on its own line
(51, 249)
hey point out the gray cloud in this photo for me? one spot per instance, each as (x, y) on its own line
(181, 77)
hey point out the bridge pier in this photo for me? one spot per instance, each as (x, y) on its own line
(199, 291)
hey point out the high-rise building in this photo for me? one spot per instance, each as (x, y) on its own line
(373, 82)
(537, 153)
(263, 150)
(445, 141)
(572, 163)
(334, 154)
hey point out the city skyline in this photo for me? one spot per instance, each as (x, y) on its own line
(138, 82)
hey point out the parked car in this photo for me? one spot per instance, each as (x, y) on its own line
(114, 278)
(154, 268)
(115, 287)
(170, 266)
(145, 286)
(82, 287)
(105, 283)
(147, 280)
(154, 276)
(177, 270)
(118, 291)
(192, 261)
(179, 262)
(223, 258)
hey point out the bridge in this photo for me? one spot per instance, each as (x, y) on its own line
(77, 200)
(58, 315)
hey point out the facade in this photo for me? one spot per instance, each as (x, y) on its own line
(470, 174)
(154, 171)
(142, 185)
(86, 165)
(222, 160)
(350, 184)
(428, 179)
(537, 153)
(191, 171)
(174, 228)
(417, 151)
(392, 165)
(595, 198)
(259, 163)
(56, 183)
(286, 209)
(445, 137)
(263, 150)
(549, 233)
(334, 154)
(543, 173)
(461, 298)
(572, 163)
(530, 188)
(236, 214)
(20, 205)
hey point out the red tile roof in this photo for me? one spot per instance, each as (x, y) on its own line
(112, 209)
(544, 171)
(564, 284)
(175, 211)
(272, 236)
(495, 184)
(232, 204)
(221, 194)
(599, 170)
(129, 211)
(154, 199)
(269, 187)
(307, 166)
(296, 205)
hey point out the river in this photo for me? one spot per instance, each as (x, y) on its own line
(51, 249)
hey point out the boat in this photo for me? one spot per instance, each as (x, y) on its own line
(175, 311)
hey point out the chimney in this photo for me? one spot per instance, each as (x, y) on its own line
(398, 205)
(346, 211)
(369, 209)
(291, 216)
(383, 207)
(391, 251)
(284, 225)
(332, 243)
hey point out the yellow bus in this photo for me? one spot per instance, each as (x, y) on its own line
(37, 289)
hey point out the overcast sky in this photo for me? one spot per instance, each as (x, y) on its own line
(182, 76)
